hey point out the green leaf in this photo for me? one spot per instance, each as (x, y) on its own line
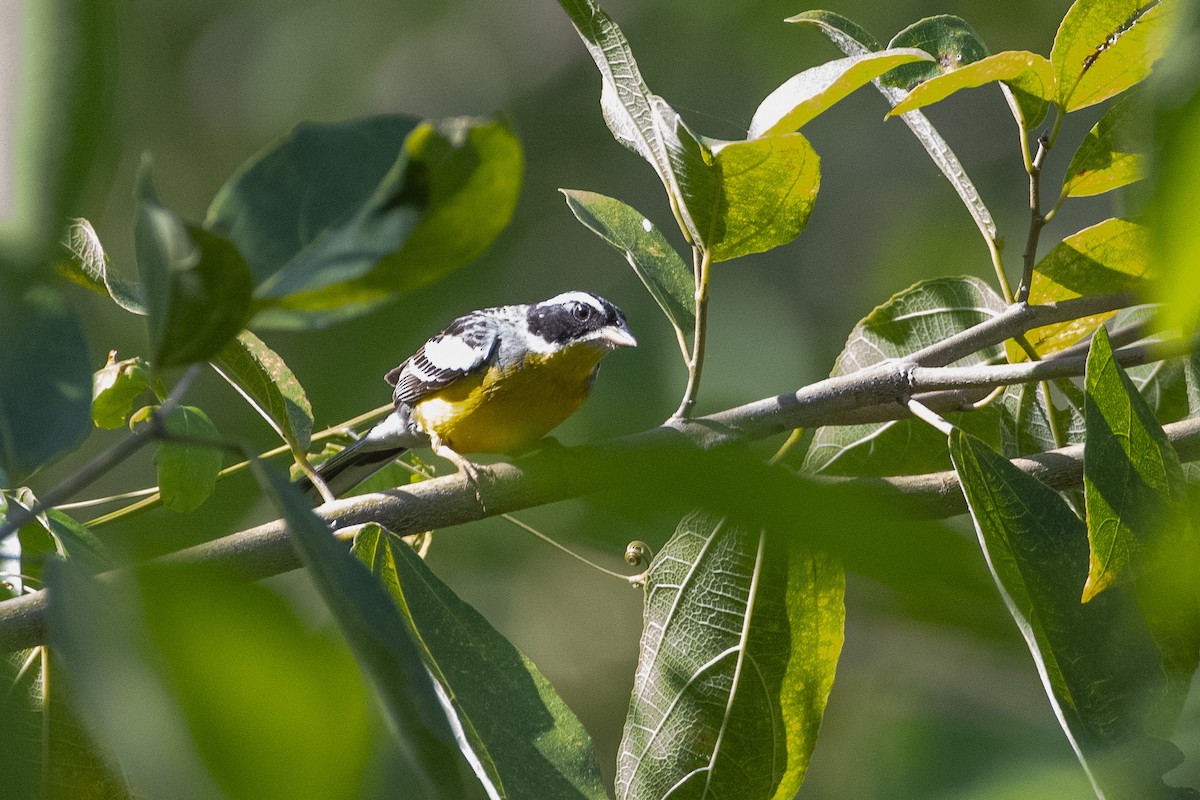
(639, 120)
(854, 41)
(260, 376)
(1108, 157)
(767, 190)
(187, 472)
(46, 391)
(85, 262)
(1110, 256)
(1135, 487)
(383, 645)
(337, 218)
(850, 37)
(951, 41)
(919, 316)
(197, 284)
(1100, 666)
(1105, 46)
(51, 532)
(660, 268)
(1025, 426)
(115, 387)
(1029, 77)
(59, 69)
(526, 738)
(741, 641)
(802, 97)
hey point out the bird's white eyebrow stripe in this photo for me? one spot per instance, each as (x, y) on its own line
(578, 297)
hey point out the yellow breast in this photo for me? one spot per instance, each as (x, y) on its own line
(501, 410)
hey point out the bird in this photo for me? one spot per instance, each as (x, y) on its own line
(493, 381)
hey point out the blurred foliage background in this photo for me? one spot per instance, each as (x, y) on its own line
(922, 707)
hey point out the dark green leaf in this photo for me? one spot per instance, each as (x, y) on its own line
(197, 284)
(767, 190)
(951, 41)
(335, 219)
(663, 272)
(115, 387)
(45, 395)
(1100, 666)
(849, 36)
(1111, 256)
(51, 533)
(59, 72)
(187, 471)
(86, 263)
(1105, 46)
(260, 376)
(1028, 76)
(919, 316)
(1109, 157)
(1025, 426)
(384, 646)
(520, 730)
(804, 96)
(742, 638)
(1135, 487)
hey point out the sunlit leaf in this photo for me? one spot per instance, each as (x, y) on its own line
(85, 262)
(767, 190)
(414, 709)
(261, 376)
(1105, 46)
(854, 41)
(197, 284)
(60, 59)
(46, 391)
(804, 96)
(652, 257)
(1135, 487)
(519, 729)
(1101, 669)
(917, 317)
(187, 470)
(1109, 156)
(1111, 256)
(115, 388)
(951, 41)
(741, 640)
(1029, 76)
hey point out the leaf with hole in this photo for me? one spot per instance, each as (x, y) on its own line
(951, 41)
(1105, 46)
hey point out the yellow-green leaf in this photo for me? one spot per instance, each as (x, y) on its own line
(1029, 75)
(1107, 157)
(1111, 256)
(1105, 46)
(804, 96)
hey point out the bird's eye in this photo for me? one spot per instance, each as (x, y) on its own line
(582, 312)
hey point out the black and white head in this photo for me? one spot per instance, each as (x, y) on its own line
(579, 318)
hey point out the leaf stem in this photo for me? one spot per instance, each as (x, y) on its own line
(701, 263)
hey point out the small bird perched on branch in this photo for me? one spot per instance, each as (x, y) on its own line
(493, 381)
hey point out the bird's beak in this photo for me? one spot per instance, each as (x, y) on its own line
(618, 336)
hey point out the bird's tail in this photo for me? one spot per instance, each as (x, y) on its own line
(350, 467)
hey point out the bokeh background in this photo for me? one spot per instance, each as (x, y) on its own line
(922, 707)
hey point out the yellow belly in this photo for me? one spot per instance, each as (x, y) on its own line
(496, 412)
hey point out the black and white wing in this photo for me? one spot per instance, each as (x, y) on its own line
(464, 346)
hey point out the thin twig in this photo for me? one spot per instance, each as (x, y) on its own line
(106, 461)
